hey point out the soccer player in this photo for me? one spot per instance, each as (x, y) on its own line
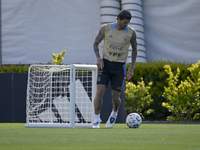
(117, 39)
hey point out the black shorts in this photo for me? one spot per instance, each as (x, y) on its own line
(114, 72)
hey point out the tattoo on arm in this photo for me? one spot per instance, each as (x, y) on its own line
(98, 40)
(134, 49)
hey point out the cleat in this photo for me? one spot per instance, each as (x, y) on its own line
(111, 121)
(96, 125)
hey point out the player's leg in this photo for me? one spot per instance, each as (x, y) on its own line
(116, 101)
(116, 84)
(102, 82)
(103, 79)
(98, 102)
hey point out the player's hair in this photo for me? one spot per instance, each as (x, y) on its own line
(124, 14)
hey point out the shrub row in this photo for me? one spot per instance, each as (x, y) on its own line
(14, 68)
(150, 72)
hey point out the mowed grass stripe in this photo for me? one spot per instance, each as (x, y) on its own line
(147, 136)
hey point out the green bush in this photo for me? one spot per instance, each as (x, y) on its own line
(183, 99)
(154, 72)
(138, 98)
(58, 58)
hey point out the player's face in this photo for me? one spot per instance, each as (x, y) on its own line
(123, 23)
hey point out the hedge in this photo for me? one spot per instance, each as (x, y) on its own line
(150, 71)
(14, 68)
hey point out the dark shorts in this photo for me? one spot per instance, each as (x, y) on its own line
(114, 72)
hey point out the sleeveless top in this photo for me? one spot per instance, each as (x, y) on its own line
(116, 43)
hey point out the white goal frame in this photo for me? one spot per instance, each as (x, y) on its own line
(72, 89)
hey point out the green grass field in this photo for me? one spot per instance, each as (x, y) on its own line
(14, 136)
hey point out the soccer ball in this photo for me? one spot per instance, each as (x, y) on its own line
(133, 120)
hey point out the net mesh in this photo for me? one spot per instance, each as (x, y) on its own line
(48, 95)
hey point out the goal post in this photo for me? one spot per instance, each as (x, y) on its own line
(60, 96)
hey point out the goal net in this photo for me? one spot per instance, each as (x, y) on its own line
(60, 95)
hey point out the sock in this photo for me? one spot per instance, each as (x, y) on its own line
(97, 118)
(114, 113)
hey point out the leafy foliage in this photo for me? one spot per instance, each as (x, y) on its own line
(14, 68)
(154, 71)
(58, 58)
(138, 98)
(183, 97)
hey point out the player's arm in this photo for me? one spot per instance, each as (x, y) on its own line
(98, 40)
(134, 55)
